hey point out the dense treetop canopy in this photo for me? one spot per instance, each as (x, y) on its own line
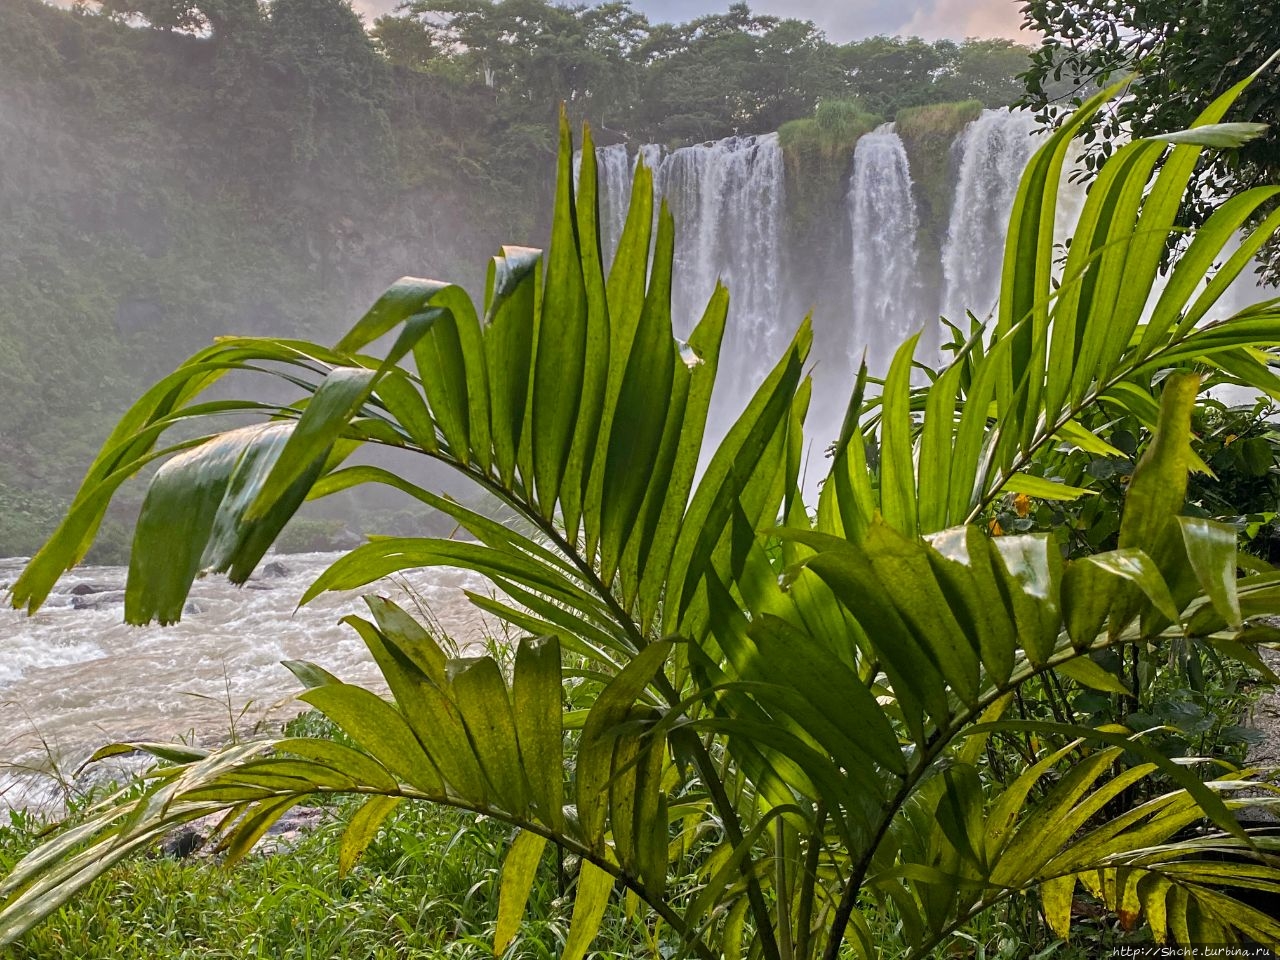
(736, 71)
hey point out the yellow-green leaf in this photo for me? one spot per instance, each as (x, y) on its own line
(518, 872)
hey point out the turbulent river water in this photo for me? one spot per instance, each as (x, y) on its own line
(74, 676)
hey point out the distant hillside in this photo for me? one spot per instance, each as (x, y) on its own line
(272, 171)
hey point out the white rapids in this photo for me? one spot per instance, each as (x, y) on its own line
(74, 679)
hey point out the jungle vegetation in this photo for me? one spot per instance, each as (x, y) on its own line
(788, 731)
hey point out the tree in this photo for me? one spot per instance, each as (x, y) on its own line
(888, 73)
(216, 17)
(986, 70)
(537, 52)
(807, 715)
(1175, 50)
(330, 97)
(717, 75)
(406, 42)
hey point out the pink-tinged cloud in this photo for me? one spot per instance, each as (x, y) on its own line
(372, 9)
(967, 18)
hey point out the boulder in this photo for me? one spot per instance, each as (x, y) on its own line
(86, 588)
(191, 839)
(96, 601)
(182, 843)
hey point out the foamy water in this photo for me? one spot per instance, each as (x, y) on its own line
(73, 679)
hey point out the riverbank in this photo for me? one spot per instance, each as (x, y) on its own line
(426, 887)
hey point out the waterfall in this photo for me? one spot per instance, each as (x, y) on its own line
(882, 215)
(614, 186)
(615, 169)
(727, 201)
(994, 150)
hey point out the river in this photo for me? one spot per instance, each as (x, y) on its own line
(75, 676)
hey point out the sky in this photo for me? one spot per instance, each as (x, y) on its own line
(841, 20)
(844, 20)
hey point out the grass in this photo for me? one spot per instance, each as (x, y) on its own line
(830, 133)
(942, 120)
(426, 887)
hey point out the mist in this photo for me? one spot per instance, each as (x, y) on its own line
(269, 169)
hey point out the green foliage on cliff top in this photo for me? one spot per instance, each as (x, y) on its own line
(941, 121)
(829, 134)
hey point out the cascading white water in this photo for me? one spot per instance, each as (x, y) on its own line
(614, 168)
(726, 198)
(882, 215)
(994, 151)
(727, 201)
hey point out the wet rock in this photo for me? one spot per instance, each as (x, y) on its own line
(290, 829)
(296, 822)
(86, 588)
(274, 570)
(182, 843)
(193, 838)
(257, 585)
(345, 539)
(96, 601)
(191, 608)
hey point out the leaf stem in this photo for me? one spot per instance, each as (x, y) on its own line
(706, 769)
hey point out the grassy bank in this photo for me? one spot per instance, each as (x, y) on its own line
(426, 887)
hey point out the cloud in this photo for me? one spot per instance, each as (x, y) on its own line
(842, 21)
(967, 18)
(372, 9)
